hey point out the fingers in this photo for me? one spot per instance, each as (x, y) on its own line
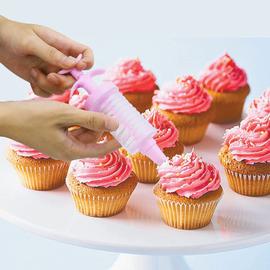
(62, 82)
(66, 46)
(77, 150)
(39, 92)
(92, 120)
(50, 54)
(85, 135)
(52, 83)
(87, 60)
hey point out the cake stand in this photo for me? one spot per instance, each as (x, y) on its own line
(138, 231)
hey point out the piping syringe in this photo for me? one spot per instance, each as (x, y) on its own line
(134, 133)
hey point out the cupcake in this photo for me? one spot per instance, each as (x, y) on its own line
(261, 104)
(245, 155)
(227, 84)
(101, 187)
(36, 170)
(166, 138)
(188, 191)
(186, 104)
(136, 83)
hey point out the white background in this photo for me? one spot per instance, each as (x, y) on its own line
(153, 31)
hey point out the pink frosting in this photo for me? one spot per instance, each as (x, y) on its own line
(108, 171)
(188, 176)
(224, 75)
(64, 98)
(78, 98)
(130, 76)
(25, 151)
(261, 104)
(183, 96)
(167, 134)
(250, 142)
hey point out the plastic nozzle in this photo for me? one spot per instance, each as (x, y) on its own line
(155, 154)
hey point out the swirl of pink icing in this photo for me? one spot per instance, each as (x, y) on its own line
(183, 96)
(188, 176)
(261, 104)
(167, 134)
(224, 75)
(108, 171)
(250, 142)
(26, 151)
(130, 76)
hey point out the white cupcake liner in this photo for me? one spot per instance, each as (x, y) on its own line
(99, 206)
(187, 215)
(43, 177)
(249, 184)
(145, 170)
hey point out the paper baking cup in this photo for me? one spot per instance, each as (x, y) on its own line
(145, 170)
(99, 206)
(186, 216)
(192, 134)
(249, 184)
(45, 177)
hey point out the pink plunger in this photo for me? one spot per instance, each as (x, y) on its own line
(134, 133)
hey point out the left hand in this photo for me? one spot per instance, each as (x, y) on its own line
(36, 53)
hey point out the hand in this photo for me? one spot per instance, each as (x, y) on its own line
(45, 125)
(36, 53)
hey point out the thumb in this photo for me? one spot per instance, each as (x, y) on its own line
(93, 121)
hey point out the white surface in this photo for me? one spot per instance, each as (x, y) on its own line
(239, 221)
(142, 262)
(151, 30)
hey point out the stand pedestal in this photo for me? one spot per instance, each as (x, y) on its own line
(144, 262)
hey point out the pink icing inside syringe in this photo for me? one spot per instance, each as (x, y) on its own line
(134, 133)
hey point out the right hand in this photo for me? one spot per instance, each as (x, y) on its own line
(44, 126)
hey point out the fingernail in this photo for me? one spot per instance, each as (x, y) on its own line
(33, 73)
(112, 124)
(70, 61)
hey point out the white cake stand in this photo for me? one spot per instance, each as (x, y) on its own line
(238, 222)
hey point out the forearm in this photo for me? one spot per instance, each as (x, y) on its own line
(7, 110)
(3, 20)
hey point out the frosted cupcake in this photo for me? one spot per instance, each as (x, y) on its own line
(188, 191)
(101, 187)
(166, 138)
(261, 104)
(227, 84)
(36, 170)
(245, 156)
(186, 104)
(136, 83)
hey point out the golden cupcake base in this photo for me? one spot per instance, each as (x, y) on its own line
(192, 128)
(39, 174)
(228, 106)
(140, 100)
(145, 169)
(245, 179)
(186, 213)
(100, 201)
